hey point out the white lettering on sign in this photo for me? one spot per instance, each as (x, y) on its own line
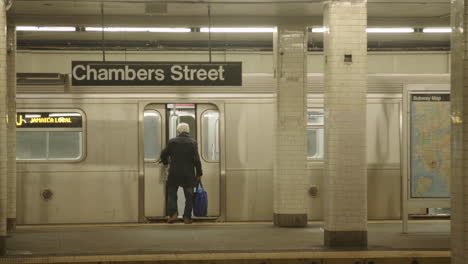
(185, 73)
(75, 73)
(116, 73)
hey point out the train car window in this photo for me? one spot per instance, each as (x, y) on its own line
(181, 113)
(31, 145)
(64, 145)
(152, 134)
(210, 135)
(315, 134)
(49, 136)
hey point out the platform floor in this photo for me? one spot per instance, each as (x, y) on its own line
(205, 238)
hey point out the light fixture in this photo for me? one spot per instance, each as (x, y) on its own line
(137, 29)
(390, 30)
(437, 30)
(237, 30)
(32, 28)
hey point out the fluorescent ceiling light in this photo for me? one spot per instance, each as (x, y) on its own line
(437, 30)
(135, 29)
(318, 30)
(390, 30)
(31, 28)
(238, 30)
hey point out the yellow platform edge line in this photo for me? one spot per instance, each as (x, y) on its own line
(232, 256)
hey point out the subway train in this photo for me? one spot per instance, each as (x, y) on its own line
(90, 154)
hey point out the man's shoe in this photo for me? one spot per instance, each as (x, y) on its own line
(187, 220)
(172, 219)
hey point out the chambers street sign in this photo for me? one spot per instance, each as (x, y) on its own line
(117, 73)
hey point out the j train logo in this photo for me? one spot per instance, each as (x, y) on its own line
(85, 73)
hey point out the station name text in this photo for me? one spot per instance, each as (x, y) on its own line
(155, 73)
(177, 73)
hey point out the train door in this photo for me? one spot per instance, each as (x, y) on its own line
(154, 136)
(160, 124)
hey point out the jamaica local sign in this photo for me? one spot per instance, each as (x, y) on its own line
(89, 73)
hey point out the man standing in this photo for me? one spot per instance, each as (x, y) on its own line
(185, 171)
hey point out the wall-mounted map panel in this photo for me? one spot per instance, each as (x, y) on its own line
(430, 146)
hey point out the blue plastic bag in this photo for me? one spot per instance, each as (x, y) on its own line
(200, 201)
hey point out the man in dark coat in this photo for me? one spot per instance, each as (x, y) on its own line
(185, 171)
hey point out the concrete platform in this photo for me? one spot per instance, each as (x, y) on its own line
(222, 242)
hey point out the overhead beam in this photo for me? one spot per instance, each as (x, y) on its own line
(218, 21)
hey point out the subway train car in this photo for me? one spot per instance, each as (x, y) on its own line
(98, 161)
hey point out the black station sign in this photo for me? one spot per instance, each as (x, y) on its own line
(430, 97)
(48, 120)
(115, 73)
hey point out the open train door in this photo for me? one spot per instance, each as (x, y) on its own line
(154, 136)
(159, 125)
(209, 148)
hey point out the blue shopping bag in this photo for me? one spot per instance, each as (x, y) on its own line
(200, 201)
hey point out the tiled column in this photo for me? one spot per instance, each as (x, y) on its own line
(11, 130)
(290, 174)
(459, 147)
(3, 130)
(345, 178)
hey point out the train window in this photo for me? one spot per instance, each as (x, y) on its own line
(152, 134)
(210, 135)
(181, 113)
(64, 145)
(31, 145)
(46, 136)
(315, 134)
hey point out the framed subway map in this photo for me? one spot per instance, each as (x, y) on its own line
(430, 146)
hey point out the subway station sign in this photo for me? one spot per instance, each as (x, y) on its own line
(89, 73)
(48, 120)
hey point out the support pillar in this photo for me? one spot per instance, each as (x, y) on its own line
(345, 177)
(3, 130)
(459, 147)
(290, 174)
(11, 127)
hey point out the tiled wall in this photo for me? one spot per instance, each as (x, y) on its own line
(290, 174)
(3, 130)
(345, 110)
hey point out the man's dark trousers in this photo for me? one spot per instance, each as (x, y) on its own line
(172, 200)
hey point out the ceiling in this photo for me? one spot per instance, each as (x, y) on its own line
(224, 13)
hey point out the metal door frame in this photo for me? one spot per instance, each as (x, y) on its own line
(222, 155)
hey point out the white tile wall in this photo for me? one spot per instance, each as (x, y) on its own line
(3, 136)
(11, 129)
(290, 174)
(345, 109)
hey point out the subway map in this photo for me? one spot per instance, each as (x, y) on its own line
(430, 146)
